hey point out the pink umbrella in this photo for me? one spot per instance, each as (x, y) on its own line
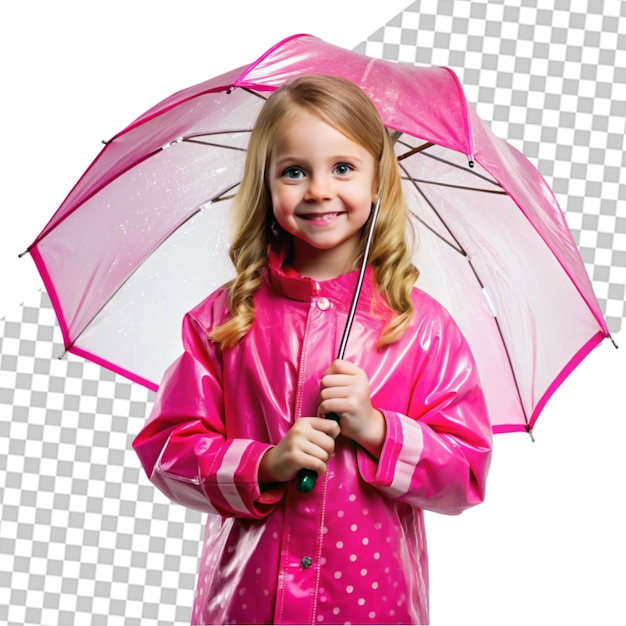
(143, 235)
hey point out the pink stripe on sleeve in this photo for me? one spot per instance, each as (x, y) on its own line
(407, 460)
(225, 475)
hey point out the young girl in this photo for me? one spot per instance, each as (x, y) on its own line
(241, 412)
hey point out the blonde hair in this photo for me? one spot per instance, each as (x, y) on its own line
(341, 104)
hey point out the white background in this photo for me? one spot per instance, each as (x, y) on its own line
(547, 546)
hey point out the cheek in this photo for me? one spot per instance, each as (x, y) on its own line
(283, 199)
(280, 209)
(276, 201)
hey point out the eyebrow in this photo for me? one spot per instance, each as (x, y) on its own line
(341, 158)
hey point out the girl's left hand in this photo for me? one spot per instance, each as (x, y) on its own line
(345, 390)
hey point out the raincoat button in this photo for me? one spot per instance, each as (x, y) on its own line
(306, 562)
(323, 304)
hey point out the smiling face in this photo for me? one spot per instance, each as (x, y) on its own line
(322, 185)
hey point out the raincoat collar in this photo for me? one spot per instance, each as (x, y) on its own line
(287, 282)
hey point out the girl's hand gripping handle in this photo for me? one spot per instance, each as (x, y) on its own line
(307, 477)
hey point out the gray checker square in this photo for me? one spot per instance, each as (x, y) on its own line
(84, 538)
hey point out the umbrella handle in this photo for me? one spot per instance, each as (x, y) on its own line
(306, 480)
(307, 477)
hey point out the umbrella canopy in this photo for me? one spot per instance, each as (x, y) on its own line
(143, 236)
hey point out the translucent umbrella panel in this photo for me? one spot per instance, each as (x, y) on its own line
(116, 230)
(483, 259)
(139, 329)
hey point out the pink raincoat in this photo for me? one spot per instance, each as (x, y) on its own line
(353, 550)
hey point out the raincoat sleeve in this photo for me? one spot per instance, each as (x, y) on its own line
(184, 448)
(436, 456)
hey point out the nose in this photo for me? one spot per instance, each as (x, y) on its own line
(319, 188)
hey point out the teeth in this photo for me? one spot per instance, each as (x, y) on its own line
(322, 217)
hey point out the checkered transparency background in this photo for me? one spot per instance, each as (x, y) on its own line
(83, 537)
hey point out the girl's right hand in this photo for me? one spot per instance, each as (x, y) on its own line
(308, 444)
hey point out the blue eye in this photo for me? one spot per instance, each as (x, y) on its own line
(343, 168)
(293, 173)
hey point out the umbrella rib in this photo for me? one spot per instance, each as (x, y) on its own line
(220, 132)
(422, 149)
(221, 197)
(415, 150)
(213, 144)
(211, 133)
(465, 169)
(506, 349)
(504, 345)
(195, 138)
(254, 93)
(458, 247)
(439, 235)
(500, 191)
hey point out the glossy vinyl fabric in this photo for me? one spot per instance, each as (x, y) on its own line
(353, 550)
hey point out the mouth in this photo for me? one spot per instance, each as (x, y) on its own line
(320, 217)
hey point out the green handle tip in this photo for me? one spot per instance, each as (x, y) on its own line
(306, 482)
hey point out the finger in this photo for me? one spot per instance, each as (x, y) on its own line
(339, 406)
(317, 438)
(318, 445)
(320, 452)
(312, 457)
(319, 467)
(334, 392)
(327, 427)
(337, 380)
(341, 366)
